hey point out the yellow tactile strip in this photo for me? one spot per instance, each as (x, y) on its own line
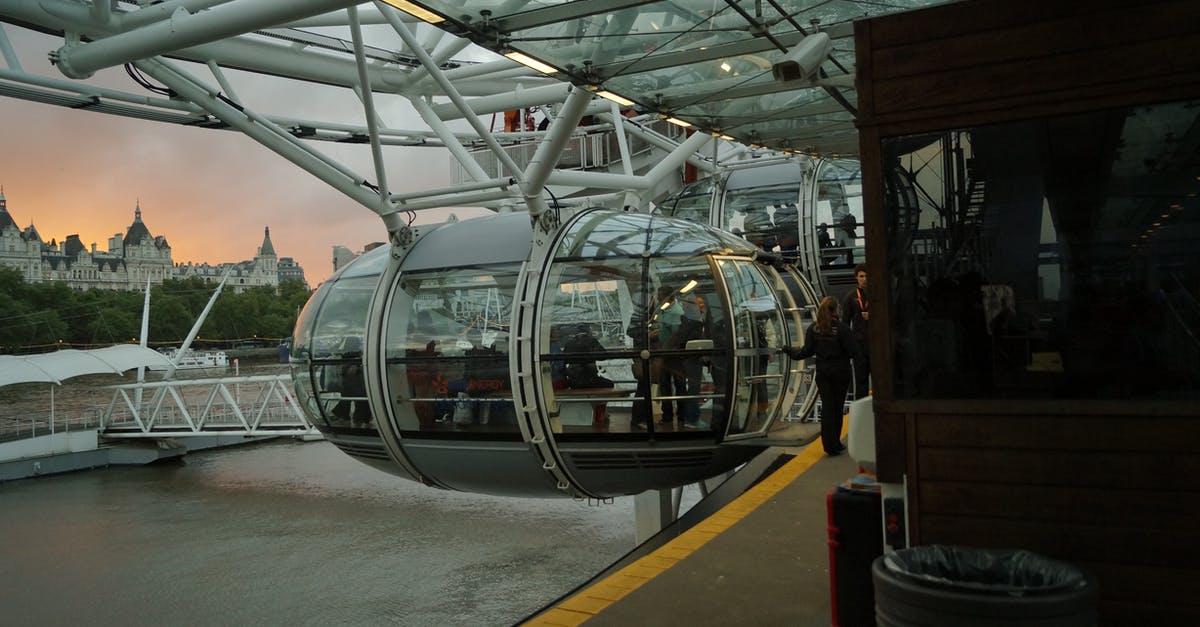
(590, 601)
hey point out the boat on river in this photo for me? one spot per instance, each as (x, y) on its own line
(193, 360)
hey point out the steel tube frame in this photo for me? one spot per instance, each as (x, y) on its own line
(544, 160)
(448, 139)
(300, 155)
(368, 100)
(448, 88)
(185, 29)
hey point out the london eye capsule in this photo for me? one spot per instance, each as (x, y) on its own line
(808, 211)
(620, 353)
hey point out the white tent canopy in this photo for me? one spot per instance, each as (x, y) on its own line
(60, 365)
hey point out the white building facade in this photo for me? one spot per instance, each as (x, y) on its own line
(131, 258)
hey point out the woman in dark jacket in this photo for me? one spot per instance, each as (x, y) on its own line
(830, 340)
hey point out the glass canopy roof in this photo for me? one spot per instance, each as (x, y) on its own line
(705, 62)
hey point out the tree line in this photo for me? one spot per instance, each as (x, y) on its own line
(38, 316)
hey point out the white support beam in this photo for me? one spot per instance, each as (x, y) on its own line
(661, 142)
(459, 200)
(548, 152)
(265, 133)
(6, 49)
(677, 158)
(516, 99)
(464, 158)
(368, 101)
(185, 29)
(599, 180)
(622, 142)
(434, 71)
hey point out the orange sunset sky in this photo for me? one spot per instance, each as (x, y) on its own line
(209, 192)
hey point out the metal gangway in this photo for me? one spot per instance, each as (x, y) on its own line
(258, 405)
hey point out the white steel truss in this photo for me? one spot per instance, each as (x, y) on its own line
(254, 406)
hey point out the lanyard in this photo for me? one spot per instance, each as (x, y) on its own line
(862, 304)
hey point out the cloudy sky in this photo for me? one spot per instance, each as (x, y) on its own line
(209, 192)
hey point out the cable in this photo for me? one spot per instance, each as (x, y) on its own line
(138, 78)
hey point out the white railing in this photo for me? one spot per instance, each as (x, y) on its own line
(254, 405)
(31, 426)
(590, 151)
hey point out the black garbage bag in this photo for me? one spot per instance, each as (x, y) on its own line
(984, 571)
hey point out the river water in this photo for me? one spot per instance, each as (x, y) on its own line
(290, 533)
(287, 533)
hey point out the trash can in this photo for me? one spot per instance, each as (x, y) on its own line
(937, 585)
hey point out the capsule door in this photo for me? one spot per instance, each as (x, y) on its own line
(757, 329)
(801, 314)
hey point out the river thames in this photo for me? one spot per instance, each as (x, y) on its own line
(288, 533)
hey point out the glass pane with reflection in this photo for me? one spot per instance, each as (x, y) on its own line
(1057, 258)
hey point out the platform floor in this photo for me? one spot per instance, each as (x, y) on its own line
(763, 559)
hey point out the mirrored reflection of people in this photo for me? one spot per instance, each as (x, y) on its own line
(856, 311)
(831, 342)
(658, 320)
(847, 228)
(694, 325)
(582, 348)
(718, 367)
(423, 373)
(787, 222)
(486, 379)
(353, 407)
(670, 374)
(825, 241)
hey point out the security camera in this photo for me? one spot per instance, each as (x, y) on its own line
(803, 59)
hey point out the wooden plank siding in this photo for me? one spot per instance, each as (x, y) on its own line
(1113, 486)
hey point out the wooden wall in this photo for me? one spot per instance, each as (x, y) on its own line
(1111, 486)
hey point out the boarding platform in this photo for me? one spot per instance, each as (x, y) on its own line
(762, 558)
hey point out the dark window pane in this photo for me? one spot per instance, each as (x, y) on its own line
(1048, 258)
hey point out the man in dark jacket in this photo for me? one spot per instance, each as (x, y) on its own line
(856, 312)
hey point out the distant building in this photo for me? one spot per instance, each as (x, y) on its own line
(131, 258)
(262, 270)
(343, 255)
(289, 270)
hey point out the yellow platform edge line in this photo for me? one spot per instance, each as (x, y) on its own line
(585, 604)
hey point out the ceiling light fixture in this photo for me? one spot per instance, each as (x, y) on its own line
(421, 13)
(678, 122)
(621, 100)
(531, 62)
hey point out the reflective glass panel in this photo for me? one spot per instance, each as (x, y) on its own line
(1058, 259)
(337, 353)
(693, 202)
(599, 317)
(758, 335)
(592, 330)
(447, 351)
(769, 216)
(839, 213)
(600, 234)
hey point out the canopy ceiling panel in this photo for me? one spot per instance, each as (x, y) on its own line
(61, 365)
(706, 62)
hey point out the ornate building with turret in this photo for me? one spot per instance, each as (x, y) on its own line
(262, 270)
(129, 260)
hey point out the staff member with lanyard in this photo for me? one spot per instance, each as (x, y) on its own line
(856, 313)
